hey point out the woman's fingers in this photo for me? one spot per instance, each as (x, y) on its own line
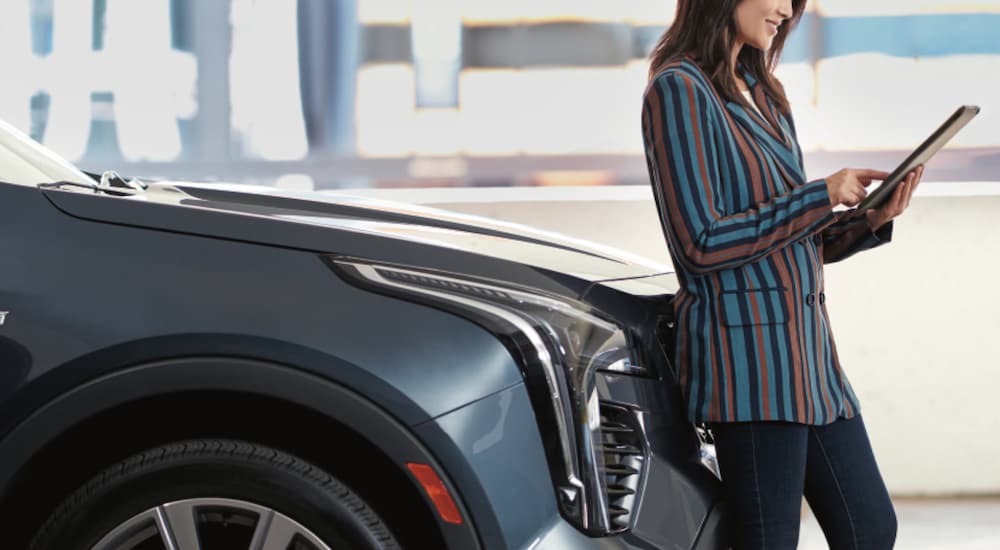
(904, 195)
(892, 208)
(849, 196)
(866, 175)
(898, 201)
(904, 192)
(859, 195)
(917, 175)
(871, 173)
(916, 182)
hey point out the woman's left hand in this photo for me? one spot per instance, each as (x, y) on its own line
(877, 217)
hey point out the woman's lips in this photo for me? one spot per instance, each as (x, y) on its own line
(773, 26)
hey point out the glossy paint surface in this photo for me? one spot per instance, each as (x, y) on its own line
(94, 284)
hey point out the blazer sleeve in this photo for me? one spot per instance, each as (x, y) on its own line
(851, 233)
(683, 158)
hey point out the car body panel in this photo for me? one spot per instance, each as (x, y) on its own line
(229, 374)
(496, 439)
(507, 255)
(153, 293)
(100, 284)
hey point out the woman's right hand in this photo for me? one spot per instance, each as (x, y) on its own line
(847, 186)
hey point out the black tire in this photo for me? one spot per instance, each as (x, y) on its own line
(215, 469)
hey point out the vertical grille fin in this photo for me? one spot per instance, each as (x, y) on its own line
(625, 454)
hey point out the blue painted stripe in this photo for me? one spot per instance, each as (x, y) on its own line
(746, 381)
(928, 35)
(758, 336)
(763, 277)
(699, 380)
(669, 91)
(678, 131)
(807, 328)
(831, 370)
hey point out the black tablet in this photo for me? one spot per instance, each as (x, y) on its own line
(920, 155)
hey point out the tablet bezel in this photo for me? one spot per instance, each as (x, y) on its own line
(920, 155)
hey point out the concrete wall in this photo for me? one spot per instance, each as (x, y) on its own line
(915, 321)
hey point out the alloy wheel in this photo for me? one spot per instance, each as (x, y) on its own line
(210, 524)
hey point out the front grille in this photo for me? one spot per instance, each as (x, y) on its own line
(624, 448)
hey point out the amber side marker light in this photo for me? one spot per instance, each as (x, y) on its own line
(435, 488)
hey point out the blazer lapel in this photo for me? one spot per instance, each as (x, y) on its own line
(770, 132)
(752, 119)
(775, 139)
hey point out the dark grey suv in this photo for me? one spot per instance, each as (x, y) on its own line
(197, 366)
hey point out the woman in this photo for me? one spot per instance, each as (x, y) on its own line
(749, 235)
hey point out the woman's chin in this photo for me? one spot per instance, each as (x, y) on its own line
(762, 45)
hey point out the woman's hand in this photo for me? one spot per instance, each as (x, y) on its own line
(877, 217)
(847, 186)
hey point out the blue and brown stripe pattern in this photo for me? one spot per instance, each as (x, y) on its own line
(748, 235)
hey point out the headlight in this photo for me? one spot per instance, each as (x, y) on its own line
(561, 344)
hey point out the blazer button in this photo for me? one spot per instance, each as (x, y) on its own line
(822, 297)
(810, 299)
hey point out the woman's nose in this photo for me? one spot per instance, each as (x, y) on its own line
(785, 9)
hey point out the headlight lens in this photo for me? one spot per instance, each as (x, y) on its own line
(561, 345)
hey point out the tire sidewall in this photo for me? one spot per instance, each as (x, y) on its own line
(323, 508)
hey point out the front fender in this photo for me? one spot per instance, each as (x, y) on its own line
(156, 294)
(254, 377)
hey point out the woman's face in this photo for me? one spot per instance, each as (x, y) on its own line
(757, 21)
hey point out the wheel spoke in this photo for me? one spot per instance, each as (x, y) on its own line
(112, 540)
(273, 532)
(175, 524)
(178, 526)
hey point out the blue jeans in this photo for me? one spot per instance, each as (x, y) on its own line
(767, 467)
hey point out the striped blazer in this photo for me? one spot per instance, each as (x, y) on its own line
(748, 235)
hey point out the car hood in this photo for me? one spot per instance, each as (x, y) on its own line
(328, 223)
(339, 223)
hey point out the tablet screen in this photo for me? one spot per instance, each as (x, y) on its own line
(920, 155)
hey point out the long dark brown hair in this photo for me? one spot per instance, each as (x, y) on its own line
(706, 31)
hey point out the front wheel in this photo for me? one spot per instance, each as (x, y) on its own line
(214, 494)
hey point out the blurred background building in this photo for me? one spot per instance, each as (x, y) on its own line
(424, 93)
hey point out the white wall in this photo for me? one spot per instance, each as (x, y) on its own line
(915, 321)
